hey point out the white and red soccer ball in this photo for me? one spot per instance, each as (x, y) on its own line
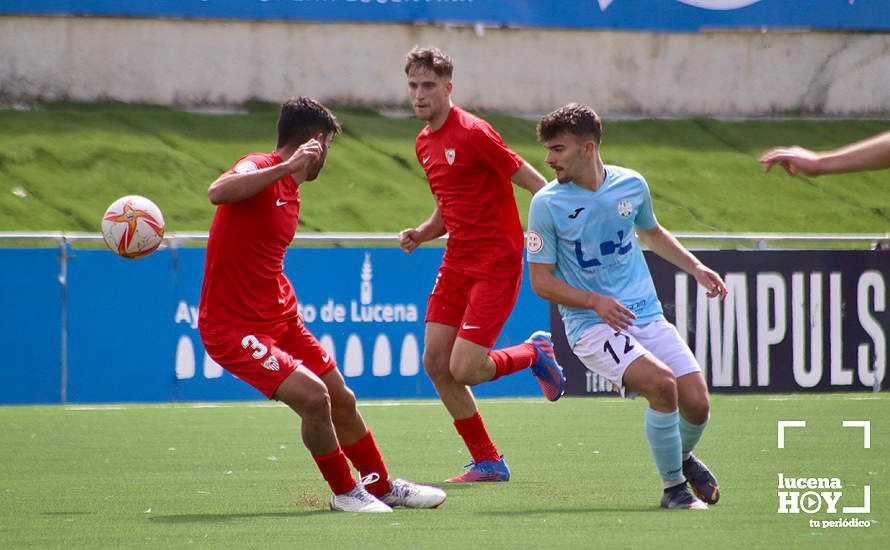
(133, 226)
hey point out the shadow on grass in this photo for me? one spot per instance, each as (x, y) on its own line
(235, 516)
(592, 510)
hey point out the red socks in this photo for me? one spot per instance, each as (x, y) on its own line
(472, 429)
(475, 436)
(365, 456)
(512, 359)
(336, 471)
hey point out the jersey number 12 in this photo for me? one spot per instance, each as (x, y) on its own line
(607, 346)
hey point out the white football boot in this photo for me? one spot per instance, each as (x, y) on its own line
(358, 500)
(412, 495)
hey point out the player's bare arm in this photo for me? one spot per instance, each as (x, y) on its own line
(432, 228)
(869, 154)
(528, 178)
(234, 187)
(553, 289)
(662, 242)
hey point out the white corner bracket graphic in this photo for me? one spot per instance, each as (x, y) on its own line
(866, 503)
(788, 424)
(866, 430)
(866, 444)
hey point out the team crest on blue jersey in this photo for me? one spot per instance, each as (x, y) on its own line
(449, 155)
(625, 208)
(534, 242)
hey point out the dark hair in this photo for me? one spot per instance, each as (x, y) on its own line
(575, 118)
(302, 118)
(431, 59)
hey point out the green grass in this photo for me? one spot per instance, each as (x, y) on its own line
(74, 159)
(236, 476)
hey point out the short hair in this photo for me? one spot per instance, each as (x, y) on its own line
(576, 119)
(431, 59)
(302, 118)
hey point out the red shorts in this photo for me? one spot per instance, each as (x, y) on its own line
(477, 306)
(265, 357)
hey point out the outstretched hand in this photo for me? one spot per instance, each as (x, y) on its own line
(793, 159)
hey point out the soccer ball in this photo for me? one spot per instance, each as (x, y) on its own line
(133, 226)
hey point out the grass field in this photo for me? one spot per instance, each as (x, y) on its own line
(236, 476)
(61, 164)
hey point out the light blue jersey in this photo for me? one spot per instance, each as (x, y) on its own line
(590, 237)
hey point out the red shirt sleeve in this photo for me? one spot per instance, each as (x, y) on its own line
(493, 151)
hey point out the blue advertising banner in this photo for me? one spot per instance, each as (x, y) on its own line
(30, 326)
(98, 328)
(133, 334)
(651, 15)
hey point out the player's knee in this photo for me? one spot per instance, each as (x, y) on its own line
(697, 409)
(662, 390)
(435, 365)
(316, 406)
(343, 403)
(666, 387)
(464, 373)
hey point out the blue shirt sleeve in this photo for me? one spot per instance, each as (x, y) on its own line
(645, 218)
(541, 241)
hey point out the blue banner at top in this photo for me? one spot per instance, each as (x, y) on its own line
(644, 15)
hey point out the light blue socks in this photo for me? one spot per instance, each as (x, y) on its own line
(690, 434)
(663, 434)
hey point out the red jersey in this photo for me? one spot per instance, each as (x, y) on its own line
(468, 167)
(244, 283)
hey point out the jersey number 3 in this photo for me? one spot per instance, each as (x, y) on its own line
(259, 350)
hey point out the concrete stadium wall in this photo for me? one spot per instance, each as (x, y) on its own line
(189, 62)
